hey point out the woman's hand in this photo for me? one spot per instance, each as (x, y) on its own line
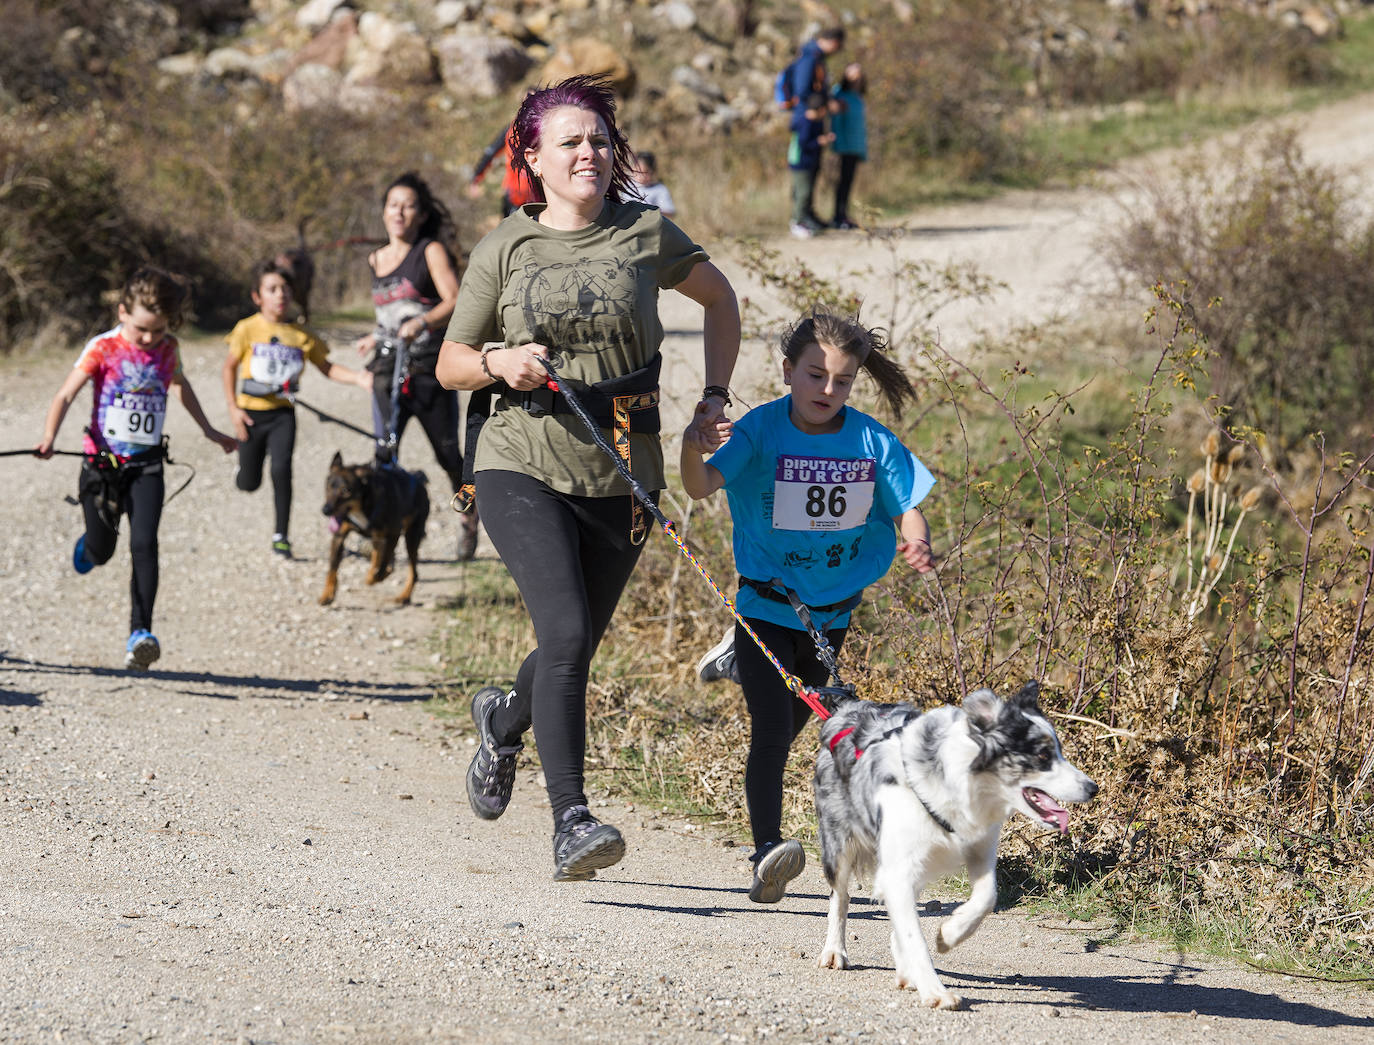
(709, 428)
(519, 366)
(412, 328)
(365, 344)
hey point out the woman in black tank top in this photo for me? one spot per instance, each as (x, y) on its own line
(414, 287)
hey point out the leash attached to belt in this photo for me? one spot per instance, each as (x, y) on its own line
(814, 699)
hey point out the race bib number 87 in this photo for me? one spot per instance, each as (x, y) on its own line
(822, 493)
(273, 363)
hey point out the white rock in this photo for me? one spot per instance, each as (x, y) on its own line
(317, 13)
(187, 64)
(677, 14)
(228, 61)
(481, 66)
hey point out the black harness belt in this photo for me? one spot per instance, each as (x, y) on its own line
(622, 405)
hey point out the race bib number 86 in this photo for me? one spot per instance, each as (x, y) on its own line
(822, 493)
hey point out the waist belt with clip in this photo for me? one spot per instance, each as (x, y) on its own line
(623, 405)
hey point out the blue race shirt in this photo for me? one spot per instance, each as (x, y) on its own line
(815, 511)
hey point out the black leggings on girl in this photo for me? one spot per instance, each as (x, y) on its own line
(272, 432)
(571, 558)
(140, 498)
(776, 714)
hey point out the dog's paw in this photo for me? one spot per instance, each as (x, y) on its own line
(946, 1000)
(327, 597)
(941, 945)
(831, 958)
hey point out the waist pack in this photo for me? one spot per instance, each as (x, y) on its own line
(105, 480)
(628, 402)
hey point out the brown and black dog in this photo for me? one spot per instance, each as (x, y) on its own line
(382, 503)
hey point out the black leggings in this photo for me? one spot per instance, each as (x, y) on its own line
(435, 407)
(272, 432)
(140, 498)
(849, 165)
(571, 557)
(777, 715)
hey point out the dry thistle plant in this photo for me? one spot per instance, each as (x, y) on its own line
(1208, 562)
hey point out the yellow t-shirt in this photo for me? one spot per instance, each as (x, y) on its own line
(271, 357)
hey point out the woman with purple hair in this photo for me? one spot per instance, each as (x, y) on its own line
(574, 279)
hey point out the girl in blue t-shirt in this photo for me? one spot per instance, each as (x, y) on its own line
(814, 488)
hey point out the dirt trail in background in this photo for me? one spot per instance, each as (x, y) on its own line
(267, 840)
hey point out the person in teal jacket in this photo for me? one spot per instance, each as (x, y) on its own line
(849, 128)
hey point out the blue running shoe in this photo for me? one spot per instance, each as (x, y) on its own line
(142, 650)
(80, 563)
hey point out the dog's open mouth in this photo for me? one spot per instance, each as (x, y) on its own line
(1048, 809)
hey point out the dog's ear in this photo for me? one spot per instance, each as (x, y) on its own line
(983, 709)
(1028, 697)
(336, 461)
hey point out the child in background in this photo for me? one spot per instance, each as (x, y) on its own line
(849, 127)
(131, 368)
(804, 161)
(647, 186)
(814, 488)
(266, 356)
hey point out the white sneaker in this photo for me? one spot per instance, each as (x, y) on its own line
(800, 231)
(719, 661)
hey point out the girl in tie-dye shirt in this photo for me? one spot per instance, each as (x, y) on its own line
(132, 368)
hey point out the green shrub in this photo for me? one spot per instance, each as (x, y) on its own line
(1278, 248)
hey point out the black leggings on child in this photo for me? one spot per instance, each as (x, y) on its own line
(272, 432)
(776, 714)
(571, 558)
(138, 494)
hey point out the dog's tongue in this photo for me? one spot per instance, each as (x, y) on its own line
(1050, 811)
(334, 524)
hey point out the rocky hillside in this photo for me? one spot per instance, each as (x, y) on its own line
(711, 60)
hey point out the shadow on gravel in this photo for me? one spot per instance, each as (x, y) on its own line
(860, 909)
(13, 698)
(210, 684)
(1165, 995)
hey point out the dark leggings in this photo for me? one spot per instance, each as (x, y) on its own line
(140, 498)
(777, 715)
(849, 165)
(571, 557)
(435, 407)
(272, 432)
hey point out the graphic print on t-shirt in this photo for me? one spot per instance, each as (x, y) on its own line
(822, 493)
(589, 303)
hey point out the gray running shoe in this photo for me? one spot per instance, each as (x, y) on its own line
(775, 866)
(719, 661)
(491, 775)
(583, 844)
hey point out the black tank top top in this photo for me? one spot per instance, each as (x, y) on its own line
(406, 291)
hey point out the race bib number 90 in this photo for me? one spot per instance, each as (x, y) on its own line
(822, 493)
(135, 417)
(273, 363)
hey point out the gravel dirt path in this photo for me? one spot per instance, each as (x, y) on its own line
(266, 838)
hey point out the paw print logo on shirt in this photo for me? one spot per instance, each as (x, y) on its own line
(833, 555)
(854, 548)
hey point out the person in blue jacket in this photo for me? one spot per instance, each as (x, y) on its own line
(849, 129)
(804, 149)
(819, 495)
(806, 74)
